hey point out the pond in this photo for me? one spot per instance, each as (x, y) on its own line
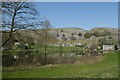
(37, 58)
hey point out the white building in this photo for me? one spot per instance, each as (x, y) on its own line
(17, 43)
(108, 47)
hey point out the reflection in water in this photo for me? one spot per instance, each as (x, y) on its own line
(38, 58)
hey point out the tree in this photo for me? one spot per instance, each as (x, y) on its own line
(97, 34)
(45, 27)
(73, 37)
(16, 16)
(115, 47)
(64, 37)
(61, 30)
(79, 34)
(87, 34)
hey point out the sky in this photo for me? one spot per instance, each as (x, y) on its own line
(86, 15)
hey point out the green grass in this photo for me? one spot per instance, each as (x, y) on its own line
(50, 49)
(106, 68)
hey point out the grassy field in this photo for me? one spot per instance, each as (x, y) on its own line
(107, 67)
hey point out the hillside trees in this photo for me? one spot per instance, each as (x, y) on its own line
(64, 37)
(80, 34)
(73, 36)
(17, 16)
(106, 33)
(97, 34)
(87, 34)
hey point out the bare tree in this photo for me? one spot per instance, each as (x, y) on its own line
(45, 27)
(16, 16)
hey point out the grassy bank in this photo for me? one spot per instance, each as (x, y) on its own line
(107, 67)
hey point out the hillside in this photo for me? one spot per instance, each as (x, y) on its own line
(101, 29)
(67, 30)
(62, 35)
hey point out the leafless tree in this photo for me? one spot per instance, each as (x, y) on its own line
(46, 27)
(16, 16)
